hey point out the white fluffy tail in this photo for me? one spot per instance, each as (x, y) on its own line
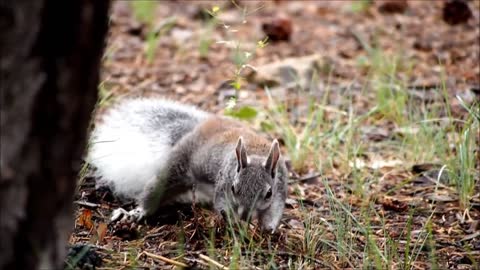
(133, 143)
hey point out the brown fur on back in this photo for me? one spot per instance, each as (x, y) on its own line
(227, 131)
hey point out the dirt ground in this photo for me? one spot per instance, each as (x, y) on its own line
(350, 44)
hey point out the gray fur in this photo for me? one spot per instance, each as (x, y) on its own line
(204, 168)
(165, 120)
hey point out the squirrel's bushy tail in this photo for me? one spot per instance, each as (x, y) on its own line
(132, 144)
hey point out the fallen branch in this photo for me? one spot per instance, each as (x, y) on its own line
(165, 259)
(212, 261)
(87, 204)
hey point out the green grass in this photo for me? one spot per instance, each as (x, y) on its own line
(144, 12)
(349, 228)
(331, 139)
(300, 141)
(462, 165)
(360, 5)
(357, 234)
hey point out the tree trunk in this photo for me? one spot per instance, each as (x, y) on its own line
(50, 56)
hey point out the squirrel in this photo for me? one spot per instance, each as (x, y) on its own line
(160, 152)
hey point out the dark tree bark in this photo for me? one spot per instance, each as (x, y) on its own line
(50, 54)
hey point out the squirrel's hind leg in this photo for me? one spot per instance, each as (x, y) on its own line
(148, 202)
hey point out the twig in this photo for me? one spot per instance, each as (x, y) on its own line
(164, 259)
(306, 178)
(87, 204)
(212, 261)
(197, 261)
(152, 235)
(470, 237)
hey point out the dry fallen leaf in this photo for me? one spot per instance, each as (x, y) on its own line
(85, 219)
(394, 205)
(101, 231)
(395, 6)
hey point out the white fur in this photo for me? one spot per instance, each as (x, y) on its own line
(126, 151)
(136, 214)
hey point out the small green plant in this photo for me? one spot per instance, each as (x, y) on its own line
(463, 166)
(206, 39)
(299, 141)
(155, 34)
(360, 5)
(144, 12)
(240, 56)
(244, 113)
(391, 94)
(390, 91)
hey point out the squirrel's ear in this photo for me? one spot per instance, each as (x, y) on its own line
(272, 159)
(241, 154)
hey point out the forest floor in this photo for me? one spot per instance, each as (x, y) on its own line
(374, 104)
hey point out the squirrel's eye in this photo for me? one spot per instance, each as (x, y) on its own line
(269, 194)
(233, 189)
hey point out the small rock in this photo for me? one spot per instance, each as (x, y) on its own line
(281, 72)
(296, 224)
(393, 6)
(288, 74)
(278, 29)
(456, 12)
(291, 203)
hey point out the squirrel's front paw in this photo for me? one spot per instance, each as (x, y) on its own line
(135, 215)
